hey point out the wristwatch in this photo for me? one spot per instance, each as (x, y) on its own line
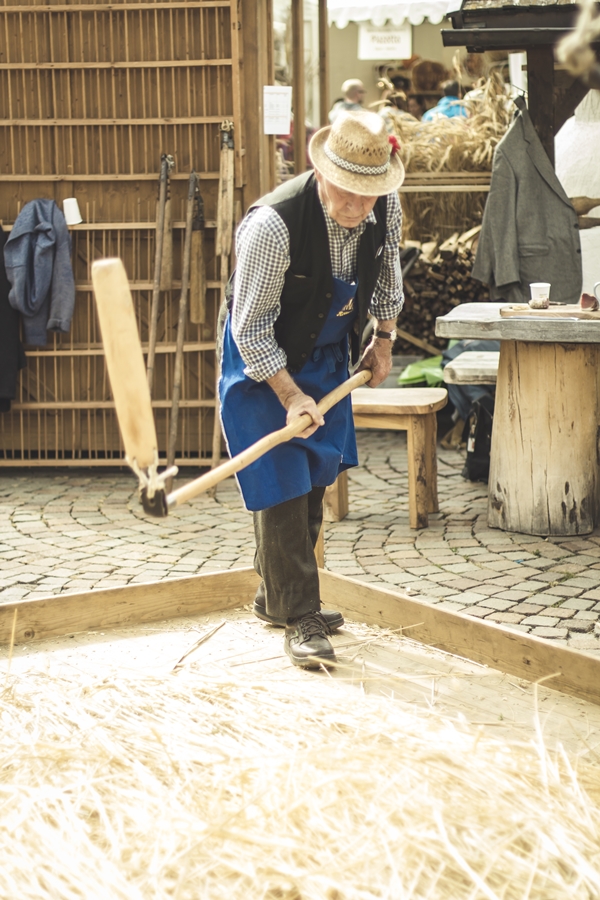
(388, 335)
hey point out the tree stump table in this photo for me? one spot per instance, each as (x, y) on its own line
(544, 458)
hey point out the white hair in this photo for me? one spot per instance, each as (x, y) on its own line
(350, 86)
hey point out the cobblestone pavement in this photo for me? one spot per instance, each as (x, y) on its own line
(76, 530)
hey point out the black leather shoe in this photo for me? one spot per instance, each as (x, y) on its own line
(306, 641)
(334, 619)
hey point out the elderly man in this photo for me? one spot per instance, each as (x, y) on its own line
(313, 258)
(353, 92)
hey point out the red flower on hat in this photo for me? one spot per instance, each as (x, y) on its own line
(396, 146)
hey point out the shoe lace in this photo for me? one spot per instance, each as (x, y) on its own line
(312, 625)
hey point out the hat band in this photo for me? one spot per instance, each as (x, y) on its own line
(355, 167)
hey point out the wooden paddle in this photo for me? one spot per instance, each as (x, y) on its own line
(126, 370)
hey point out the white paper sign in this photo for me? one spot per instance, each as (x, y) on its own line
(388, 42)
(277, 109)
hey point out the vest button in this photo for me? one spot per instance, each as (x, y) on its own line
(321, 315)
(303, 355)
(329, 296)
(314, 334)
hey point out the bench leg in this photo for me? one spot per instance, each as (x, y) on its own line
(336, 498)
(431, 462)
(320, 548)
(418, 488)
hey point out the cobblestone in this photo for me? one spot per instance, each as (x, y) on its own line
(76, 530)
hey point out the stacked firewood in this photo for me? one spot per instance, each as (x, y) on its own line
(439, 280)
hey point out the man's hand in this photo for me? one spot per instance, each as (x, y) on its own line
(378, 358)
(295, 402)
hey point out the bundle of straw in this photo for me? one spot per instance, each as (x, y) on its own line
(452, 145)
(187, 787)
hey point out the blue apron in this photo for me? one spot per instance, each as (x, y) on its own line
(250, 410)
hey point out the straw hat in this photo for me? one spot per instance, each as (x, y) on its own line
(357, 154)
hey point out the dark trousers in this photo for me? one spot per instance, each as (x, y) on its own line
(286, 535)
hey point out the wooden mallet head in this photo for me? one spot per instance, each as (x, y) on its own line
(128, 378)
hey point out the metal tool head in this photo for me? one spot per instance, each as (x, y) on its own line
(156, 505)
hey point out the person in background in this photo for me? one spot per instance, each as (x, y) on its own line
(449, 106)
(395, 110)
(416, 106)
(354, 95)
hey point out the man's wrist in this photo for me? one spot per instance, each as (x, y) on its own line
(386, 334)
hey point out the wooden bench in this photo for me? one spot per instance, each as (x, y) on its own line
(478, 367)
(400, 409)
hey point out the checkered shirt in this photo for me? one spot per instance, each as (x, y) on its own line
(263, 256)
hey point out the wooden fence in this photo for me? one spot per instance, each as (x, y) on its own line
(91, 95)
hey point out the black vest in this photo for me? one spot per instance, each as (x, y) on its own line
(308, 287)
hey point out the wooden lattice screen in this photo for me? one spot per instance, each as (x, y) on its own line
(91, 94)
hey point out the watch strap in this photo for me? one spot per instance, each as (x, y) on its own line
(388, 335)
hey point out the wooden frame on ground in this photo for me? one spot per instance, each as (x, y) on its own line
(512, 652)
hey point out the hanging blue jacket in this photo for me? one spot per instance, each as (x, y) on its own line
(448, 106)
(37, 257)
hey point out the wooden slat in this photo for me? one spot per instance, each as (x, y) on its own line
(134, 64)
(323, 64)
(190, 347)
(122, 226)
(132, 605)
(90, 462)
(108, 177)
(114, 7)
(107, 404)
(513, 652)
(444, 188)
(86, 287)
(298, 99)
(92, 123)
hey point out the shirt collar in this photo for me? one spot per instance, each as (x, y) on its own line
(332, 223)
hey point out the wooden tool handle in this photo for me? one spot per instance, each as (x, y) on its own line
(124, 361)
(252, 453)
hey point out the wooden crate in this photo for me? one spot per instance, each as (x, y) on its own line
(91, 95)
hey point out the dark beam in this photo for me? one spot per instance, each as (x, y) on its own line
(540, 87)
(477, 40)
(298, 86)
(323, 63)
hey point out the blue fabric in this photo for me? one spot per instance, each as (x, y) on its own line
(250, 410)
(448, 106)
(37, 256)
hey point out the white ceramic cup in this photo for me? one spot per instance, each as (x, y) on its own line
(596, 286)
(71, 211)
(540, 290)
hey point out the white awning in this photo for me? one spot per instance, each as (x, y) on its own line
(343, 11)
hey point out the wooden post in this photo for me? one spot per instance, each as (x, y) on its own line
(540, 86)
(418, 458)
(298, 86)
(323, 63)
(320, 548)
(336, 498)
(257, 36)
(543, 467)
(431, 463)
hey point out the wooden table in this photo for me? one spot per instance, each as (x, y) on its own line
(544, 459)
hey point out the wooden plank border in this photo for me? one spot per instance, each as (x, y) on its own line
(131, 605)
(512, 652)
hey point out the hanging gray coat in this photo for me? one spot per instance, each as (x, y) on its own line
(530, 231)
(37, 256)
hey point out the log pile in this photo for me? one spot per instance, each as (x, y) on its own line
(438, 281)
